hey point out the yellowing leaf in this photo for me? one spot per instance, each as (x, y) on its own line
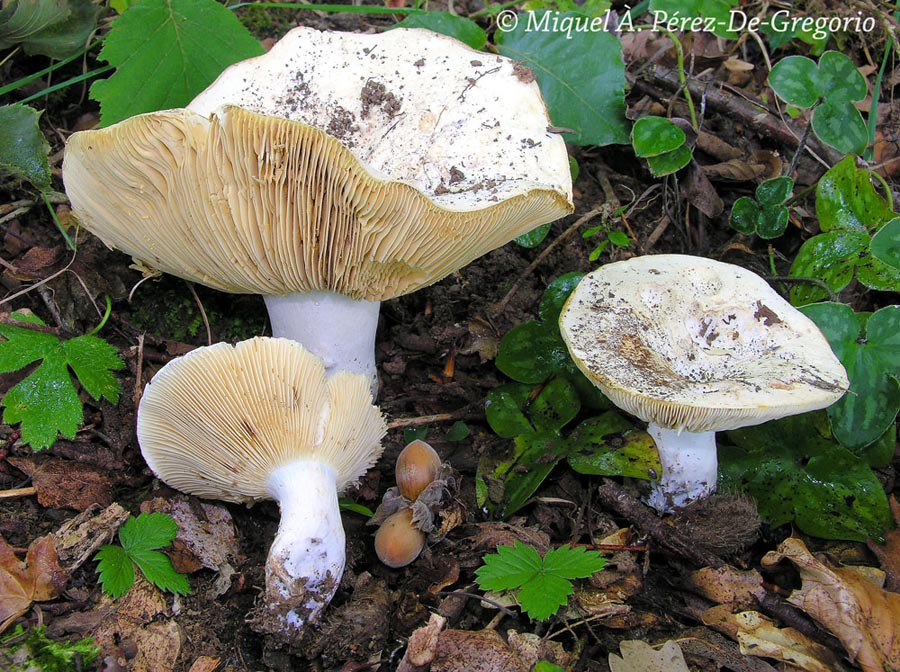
(639, 656)
(166, 52)
(863, 616)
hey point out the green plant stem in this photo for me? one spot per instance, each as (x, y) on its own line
(69, 243)
(68, 82)
(803, 140)
(832, 296)
(888, 196)
(873, 108)
(103, 319)
(56, 66)
(348, 9)
(682, 75)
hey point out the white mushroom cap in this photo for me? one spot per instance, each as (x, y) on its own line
(219, 421)
(692, 344)
(369, 165)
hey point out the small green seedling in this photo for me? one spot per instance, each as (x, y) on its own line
(140, 538)
(766, 215)
(830, 87)
(543, 585)
(46, 401)
(662, 144)
(615, 238)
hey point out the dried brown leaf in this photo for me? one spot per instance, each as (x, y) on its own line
(638, 656)
(37, 579)
(864, 617)
(889, 554)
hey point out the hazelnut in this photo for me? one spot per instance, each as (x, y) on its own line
(417, 466)
(398, 542)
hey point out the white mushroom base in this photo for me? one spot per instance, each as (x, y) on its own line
(335, 327)
(306, 559)
(690, 467)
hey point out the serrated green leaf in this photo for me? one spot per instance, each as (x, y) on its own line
(544, 595)
(795, 80)
(510, 567)
(166, 52)
(586, 95)
(840, 125)
(652, 136)
(670, 162)
(868, 345)
(23, 148)
(147, 532)
(838, 78)
(116, 570)
(157, 569)
(574, 562)
(463, 29)
(46, 401)
(93, 360)
(885, 245)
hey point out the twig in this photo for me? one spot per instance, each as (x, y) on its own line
(418, 421)
(193, 291)
(17, 492)
(482, 598)
(500, 306)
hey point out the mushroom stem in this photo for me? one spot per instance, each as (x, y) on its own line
(306, 559)
(335, 327)
(689, 467)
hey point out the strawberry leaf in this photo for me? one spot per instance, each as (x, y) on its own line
(116, 570)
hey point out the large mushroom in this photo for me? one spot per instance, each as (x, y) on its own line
(334, 172)
(694, 346)
(261, 420)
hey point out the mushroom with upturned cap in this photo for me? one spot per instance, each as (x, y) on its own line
(260, 420)
(334, 172)
(694, 346)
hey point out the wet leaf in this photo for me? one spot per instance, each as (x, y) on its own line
(586, 95)
(652, 136)
(23, 148)
(670, 162)
(609, 445)
(864, 617)
(847, 200)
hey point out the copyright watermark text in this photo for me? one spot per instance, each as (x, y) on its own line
(781, 21)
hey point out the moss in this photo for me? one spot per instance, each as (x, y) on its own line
(35, 652)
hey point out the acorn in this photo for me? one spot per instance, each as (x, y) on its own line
(417, 466)
(398, 542)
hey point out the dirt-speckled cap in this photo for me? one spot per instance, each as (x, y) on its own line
(218, 421)
(689, 343)
(369, 165)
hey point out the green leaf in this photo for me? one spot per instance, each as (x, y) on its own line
(717, 10)
(775, 191)
(534, 237)
(795, 80)
(885, 245)
(20, 19)
(840, 124)
(798, 474)
(585, 94)
(670, 162)
(140, 537)
(555, 406)
(166, 52)
(148, 531)
(157, 568)
(463, 29)
(46, 401)
(555, 296)
(832, 258)
(652, 136)
(544, 584)
(608, 445)
(868, 345)
(458, 431)
(619, 238)
(773, 221)
(838, 78)
(745, 214)
(531, 353)
(116, 570)
(68, 37)
(503, 410)
(23, 148)
(847, 200)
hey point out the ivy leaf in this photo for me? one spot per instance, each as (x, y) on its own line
(795, 80)
(652, 136)
(46, 401)
(885, 245)
(544, 584)
(584, 94)
(23, 148)
(166, 52)
(140, 537)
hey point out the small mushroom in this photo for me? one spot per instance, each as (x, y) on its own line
(260, 420)
(694, 346)
(334, 172)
